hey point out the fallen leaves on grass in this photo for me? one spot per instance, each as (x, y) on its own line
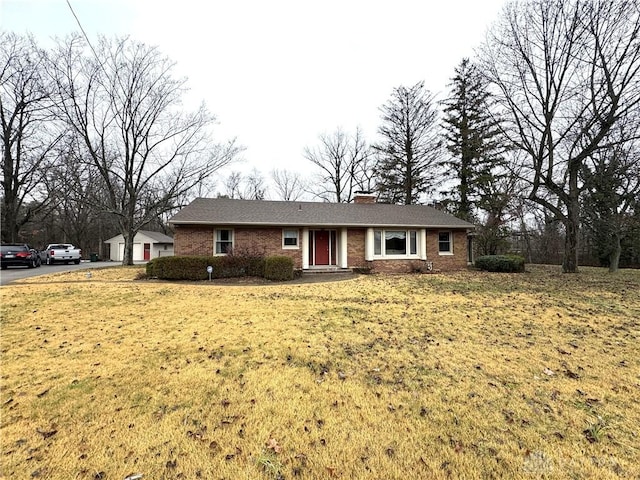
(273, 445)
(47, 433)
(412, 376)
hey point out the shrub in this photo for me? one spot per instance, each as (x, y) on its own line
(278, 268)
(195, 267)
(366, 270)
(249, 261)
(180, 268)
(150, 268)
(500, 263)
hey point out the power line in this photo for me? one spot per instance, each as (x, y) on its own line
(84, 33)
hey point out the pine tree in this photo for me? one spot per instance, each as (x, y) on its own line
(611, 195)
(407, 155)
(472, 141)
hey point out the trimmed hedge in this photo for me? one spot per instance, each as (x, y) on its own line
(501, 263)
(180, 268)
(278, 268)
(195, 267)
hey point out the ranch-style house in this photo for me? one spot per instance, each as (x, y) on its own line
(327, 236)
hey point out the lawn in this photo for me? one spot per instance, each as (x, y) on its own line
(465, 375)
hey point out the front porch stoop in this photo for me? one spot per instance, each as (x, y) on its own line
(326, 269)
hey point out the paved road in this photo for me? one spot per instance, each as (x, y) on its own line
(18, 273)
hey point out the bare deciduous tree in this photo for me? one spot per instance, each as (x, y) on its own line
(232, 185)
(77, 194)
(124, 107)
(255, 188)
(245, 187)
(343, 162)
(565, 73)
(28, 132)
(289, 186)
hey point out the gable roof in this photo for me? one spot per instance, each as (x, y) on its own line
(157, 237)
(228, 212)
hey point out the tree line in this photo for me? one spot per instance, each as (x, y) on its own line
(95, 141)
(536, 140)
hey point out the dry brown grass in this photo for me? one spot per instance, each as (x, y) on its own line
(468, 375)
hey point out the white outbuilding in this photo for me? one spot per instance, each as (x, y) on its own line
(146, 245)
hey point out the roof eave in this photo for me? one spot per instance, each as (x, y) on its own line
(323, 225)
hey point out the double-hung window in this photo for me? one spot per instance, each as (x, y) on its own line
(395, 243)
(224, 241)
(445, 245)
(290, 239)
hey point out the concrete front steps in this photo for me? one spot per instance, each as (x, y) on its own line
(326, 270)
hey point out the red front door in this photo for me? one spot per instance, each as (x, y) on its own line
(322, 243)
(147, 251)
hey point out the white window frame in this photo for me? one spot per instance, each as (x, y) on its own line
(446, 252)
(381, 233)
(291, 247)
(216, 241)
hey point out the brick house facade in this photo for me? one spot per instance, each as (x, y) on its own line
(385, 238)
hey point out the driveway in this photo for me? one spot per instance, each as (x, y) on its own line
(18, 273)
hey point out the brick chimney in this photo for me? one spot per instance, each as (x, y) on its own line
(365, 197)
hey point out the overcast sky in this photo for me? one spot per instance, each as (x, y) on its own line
(278, 73)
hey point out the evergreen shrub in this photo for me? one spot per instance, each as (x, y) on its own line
(278, 268)
(195, 267)
(150, 268)
(501, 263)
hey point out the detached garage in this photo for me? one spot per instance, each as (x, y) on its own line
(146, 245)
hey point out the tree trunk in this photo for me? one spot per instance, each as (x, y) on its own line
(571, 224)
(614, 256)
(570, 259)
(9, 224)
(408, 186)
(127, 258)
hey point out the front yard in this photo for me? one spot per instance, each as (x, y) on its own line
(467, 375)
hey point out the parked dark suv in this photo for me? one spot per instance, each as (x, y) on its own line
(19, 254)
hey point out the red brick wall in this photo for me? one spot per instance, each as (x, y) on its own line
(266, 241)
(457, 261)
(194, 240)
(355, 247)
(365, 198)
(396, 266)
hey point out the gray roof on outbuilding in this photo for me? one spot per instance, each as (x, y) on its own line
(157, 236)
(229, 212)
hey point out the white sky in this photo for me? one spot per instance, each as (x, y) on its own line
(278, 73)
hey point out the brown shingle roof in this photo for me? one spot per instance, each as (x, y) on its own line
(224, 211)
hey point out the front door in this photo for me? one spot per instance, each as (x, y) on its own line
(147, 251)
(321, 254)
(322, 247)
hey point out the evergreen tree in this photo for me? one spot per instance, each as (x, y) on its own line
(408, 153)
(611, 180)
(474, 164)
